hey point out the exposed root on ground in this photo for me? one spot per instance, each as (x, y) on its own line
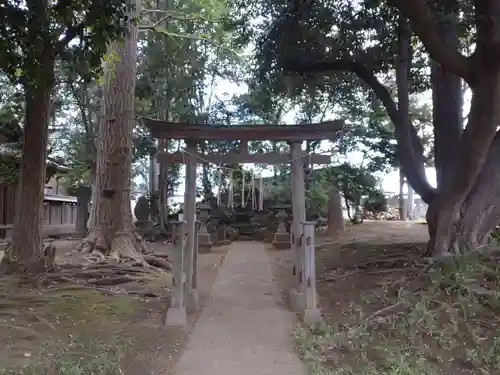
(103, 274)
(125, 248)
(33, 265)
(104, 262)
(125, 278)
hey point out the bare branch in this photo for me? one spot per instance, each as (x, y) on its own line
(178, 16)
(166, 32)
(425, 27)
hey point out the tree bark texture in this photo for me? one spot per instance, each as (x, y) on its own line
(26, 251)
(112, 232)
(458, 218)
(336, 223)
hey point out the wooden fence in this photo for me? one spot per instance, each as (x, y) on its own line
(59, 213)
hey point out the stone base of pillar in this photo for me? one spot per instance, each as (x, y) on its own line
(268, 236)
(297, 302)
(281, 241)
(176, 317)
(204, 243)
(193, 302)
(312, 318)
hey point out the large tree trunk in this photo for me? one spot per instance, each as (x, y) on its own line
(25, 253)
(459, 218)
(112, 233)
(447, 120)
(446, 214)
(335, 214)
(480, 213)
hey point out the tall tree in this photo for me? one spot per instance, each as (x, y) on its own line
(464, 208)
(33, 36)
(112, 233)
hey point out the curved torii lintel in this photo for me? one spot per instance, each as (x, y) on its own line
(300, 132)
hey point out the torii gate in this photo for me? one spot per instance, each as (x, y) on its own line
(192, 134)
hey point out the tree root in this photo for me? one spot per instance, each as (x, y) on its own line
(123, 261)
(124, 248)
(103, 274)
(384, 311)
(33, 265)
(27, 331)
(389, 262)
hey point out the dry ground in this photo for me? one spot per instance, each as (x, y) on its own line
(388, 312)
(77, 331)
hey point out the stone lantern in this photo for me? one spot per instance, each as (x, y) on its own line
(204, 240)
(282, 239)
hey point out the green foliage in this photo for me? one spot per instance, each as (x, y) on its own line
(317, 196)
(77, 159)
(358, 186)
(189, 47)
(375, 201)
(355, 184)
(36, 37)
(91, 23)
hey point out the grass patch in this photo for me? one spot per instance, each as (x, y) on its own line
(88, 307)
(443, 321)
(63, 331)
(79, 358)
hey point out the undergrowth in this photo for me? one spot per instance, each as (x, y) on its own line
(63, 331)
(495, 235)
(443, 321)
(93, 358)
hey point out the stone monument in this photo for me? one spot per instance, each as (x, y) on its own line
(282, 239)
(143, 225)
(204, 239)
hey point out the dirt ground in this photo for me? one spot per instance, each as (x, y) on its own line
(388, 312)
(86, 331)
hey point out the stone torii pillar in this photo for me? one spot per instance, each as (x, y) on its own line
(176, 314)
(299, 216)
(191, 294)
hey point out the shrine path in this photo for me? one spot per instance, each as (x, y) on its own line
(244, 327)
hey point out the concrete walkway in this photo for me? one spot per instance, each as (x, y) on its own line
(244, 328)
